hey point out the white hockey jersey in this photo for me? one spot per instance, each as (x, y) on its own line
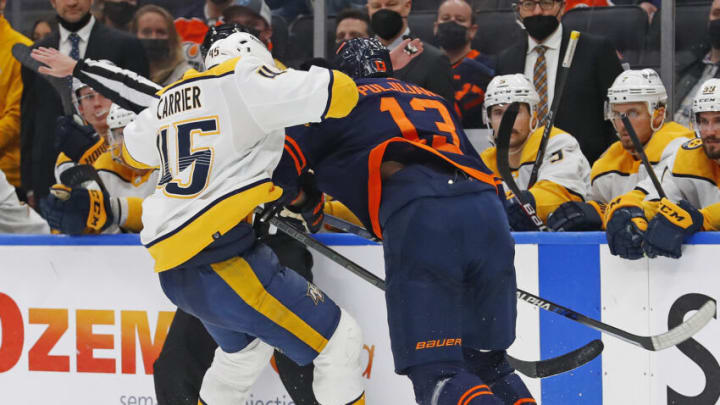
(564, 175)
(691, 176)
(15, 216)
(617, 172)
(216, 137)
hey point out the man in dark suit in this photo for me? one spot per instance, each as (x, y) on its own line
(78, 35)
(594, 67)
(431, 69)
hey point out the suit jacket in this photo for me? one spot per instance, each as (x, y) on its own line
(431, 70)
(41, 104)
(581, 110)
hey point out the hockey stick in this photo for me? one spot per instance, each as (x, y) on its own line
(643, 157)
(22, 52)
(349, 227)
(670, 338)
(503, 163)
(532, 369)
(550, 118)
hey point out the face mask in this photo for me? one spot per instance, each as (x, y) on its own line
(73, 26)
(156, 49)
(451, 35)
(714, 33)
(120, 13)
(386, 23)
(540, 26)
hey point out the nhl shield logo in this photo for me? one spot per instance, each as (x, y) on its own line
(315, 294)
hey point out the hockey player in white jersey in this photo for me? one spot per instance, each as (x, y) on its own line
(68, 210)
(641, 96)
(216, 137)
(690, 181)
(564, 174)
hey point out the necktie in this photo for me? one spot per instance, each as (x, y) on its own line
(540, 82)
(75, 43)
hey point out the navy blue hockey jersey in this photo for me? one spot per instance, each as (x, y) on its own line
(393, 120)
(471, 76)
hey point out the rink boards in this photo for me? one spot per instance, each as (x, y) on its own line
(82, 319)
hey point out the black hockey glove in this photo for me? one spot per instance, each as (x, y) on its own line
(75, 211)
(670, 227)
(79, 142)
(312, 204)
(576, 216)
(518, 219)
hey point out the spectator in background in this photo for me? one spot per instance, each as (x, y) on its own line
(11, 89)
(471, 72)
(593, 70)
(117, 13)
(253, 14)
(42, 28)
(192, 22)
(431, 69)
(79, 35)
(154, 26)
(290, 9)
(351, 23)
(705, 66)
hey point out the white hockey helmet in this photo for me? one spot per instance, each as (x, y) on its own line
(508, 89)
(633, 86)
(706, 99)
(237, 44)
(117, 119)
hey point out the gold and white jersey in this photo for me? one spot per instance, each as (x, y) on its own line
(617, 172)
(564, 175)
(691, 176)
(16, 216)
(216, 138)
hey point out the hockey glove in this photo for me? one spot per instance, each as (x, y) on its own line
(77, 211)
(672, 224)
(626, 226)
(79, 142)
(518, 219)
(311, 205)
(577, 216)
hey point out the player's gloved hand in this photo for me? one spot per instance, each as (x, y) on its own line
(626, 226)
(76, 211)
(577, 216)
(310, 203)
(670, 226)
(79, 142)
(518, 219)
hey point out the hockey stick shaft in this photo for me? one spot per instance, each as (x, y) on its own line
(503, 149)
(550, 118)
(643, 157)
(653, 343)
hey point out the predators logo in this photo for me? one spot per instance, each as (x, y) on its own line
(692, 144)
(315, 294)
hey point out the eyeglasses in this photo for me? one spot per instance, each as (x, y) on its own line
(529, 5)
(88, 96)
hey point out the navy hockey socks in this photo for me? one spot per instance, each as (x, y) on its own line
(493, 368)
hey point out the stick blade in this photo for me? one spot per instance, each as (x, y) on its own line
(21, 52)
(558, 365)
(503, 145)
(687, 329)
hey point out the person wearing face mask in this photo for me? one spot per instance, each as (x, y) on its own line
(593, 70)
(118, 13)
(703, 65)
(431, 69)
(153, 25)
(454, 30)
(79, 35)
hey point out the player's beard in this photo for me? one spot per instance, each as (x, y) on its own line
(711, 146)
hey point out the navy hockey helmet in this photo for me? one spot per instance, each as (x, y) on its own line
(363, 57)
(218, 32)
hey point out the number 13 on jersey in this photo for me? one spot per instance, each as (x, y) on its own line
(185, 166)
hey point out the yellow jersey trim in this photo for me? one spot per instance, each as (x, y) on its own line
(127, 158)
(342, 95)
(239, 275)
(693, 163)
(133, 222)
(129, 175)
(529, 152)
(222, 69)
(189, 239)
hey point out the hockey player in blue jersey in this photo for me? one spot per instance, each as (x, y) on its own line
(403, 165)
